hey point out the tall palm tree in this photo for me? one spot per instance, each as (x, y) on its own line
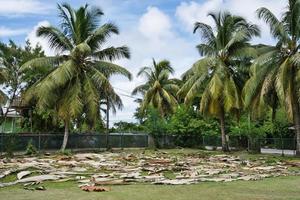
(72, 87)
(159, 90)
(276, 71)
(217, 76)
(112, 102)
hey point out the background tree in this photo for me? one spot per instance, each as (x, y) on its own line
(277, 69)
(224, 51)
(159, 91)
(13, 80)
(72, 87)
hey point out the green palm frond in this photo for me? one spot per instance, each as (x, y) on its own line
(101, 35)
(218, 78)
(43, 62)
(57, 40)
(110, 69)
(78, 81)
(112, 53)
(140, 89)
(276, 27)
(159, 90)
(91, 100)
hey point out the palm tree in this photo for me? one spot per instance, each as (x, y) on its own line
(112, 101)
(159, 90)
(217, 76)
(276, 71)
(72, 87)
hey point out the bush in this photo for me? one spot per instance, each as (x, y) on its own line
(30, 149)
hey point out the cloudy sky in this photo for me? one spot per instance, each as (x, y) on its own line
(160, 29)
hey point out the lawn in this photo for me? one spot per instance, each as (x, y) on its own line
(286, 188)
(283, 187)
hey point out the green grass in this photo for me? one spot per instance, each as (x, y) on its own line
(287, 188)
(169, 174)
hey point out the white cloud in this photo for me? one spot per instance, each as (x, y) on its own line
(21, 7)
(190, 12)
(155, 35)
(8, 32)
(157, 39)
(32, 37)
(154, 24)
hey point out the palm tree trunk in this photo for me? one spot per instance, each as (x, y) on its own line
(66, 136)
(296, 119)
(107, 124)
(223, 133)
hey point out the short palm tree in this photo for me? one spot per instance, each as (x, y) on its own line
(276, 71)
(159, 90)
(72, 87)
(215, 77)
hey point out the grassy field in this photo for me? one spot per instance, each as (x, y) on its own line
(286, 188)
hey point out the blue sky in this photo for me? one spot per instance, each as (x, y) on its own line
(160, 29)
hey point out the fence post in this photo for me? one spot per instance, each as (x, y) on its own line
(122, 140)
(39, 142)
(282, 150)
(2, 143)
(99, 141)
(248, 143)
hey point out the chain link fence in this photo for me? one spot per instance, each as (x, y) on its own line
(45, 142)
(283, 146)
(15, 142)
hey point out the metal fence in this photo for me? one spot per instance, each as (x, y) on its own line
(45, 142)
(283, 146)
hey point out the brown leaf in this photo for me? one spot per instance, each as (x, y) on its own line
(88, 188)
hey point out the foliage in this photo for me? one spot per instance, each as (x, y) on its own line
(31, 149)
(13, 80)
(187, 121)
(218, 77)
(159, 90)
(155, 123)
(127, 127)
(275, 73)
(257, 83)
(80, 73)
(248, 128)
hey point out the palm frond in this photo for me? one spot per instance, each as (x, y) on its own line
(110, 69)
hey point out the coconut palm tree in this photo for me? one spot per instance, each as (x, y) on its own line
(112, 102)
(276, 71)
(72, 87)
(217, 76)
(159, 90)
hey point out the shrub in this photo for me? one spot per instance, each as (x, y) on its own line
(30, 149)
